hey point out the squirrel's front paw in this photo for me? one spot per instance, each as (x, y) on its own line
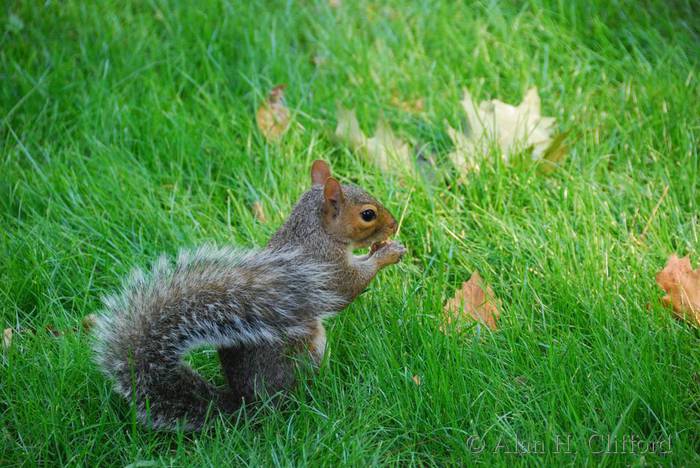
(388, 253)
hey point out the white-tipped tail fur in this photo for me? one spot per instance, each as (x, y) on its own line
(209, 296)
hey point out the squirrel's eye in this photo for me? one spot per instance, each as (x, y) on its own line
(368, 215)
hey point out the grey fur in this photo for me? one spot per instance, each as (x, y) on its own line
(255, 306)
(210, 296)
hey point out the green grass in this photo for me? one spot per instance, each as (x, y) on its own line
(127, 129)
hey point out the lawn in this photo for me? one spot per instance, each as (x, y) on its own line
(128, 129)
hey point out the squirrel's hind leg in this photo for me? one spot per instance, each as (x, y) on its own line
(253, 371)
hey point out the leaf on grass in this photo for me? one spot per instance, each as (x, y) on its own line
(520, 380)
(53, 331)
(318, 60)
(416, 379)
(415, 106)
(259, 212)
(512, 128)
(464, 156)
(682, 286)
(384, 149)
(348, 129)
(7, 338)
(472, 302)
(554, 154)
(273, 117)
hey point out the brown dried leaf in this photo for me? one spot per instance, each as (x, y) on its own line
(682, 286)
(259, 212)
(415, 106)
(472, 302)
(89, 321)
(273, 117)
(416, 379)
(53, 331)
(7, 338)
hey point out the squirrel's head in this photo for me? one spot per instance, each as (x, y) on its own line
(350, 213)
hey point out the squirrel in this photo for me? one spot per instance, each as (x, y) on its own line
(255, 306)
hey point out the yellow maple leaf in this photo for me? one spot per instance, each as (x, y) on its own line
(512, 128)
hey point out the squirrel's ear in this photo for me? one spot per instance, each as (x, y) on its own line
(320, 171)
(332, 191)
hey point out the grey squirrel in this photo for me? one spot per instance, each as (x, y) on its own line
(255, 306)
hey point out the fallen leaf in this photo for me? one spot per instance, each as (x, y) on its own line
(384, 149)
(416, 379)
(464, 155)
(89, 321)
(273, 117)
(7, 338)
(318, 60)
(682, 286)
(512, 128)
(53, 331)
(520, 380)
(415, 106)
(554, 154)
(348, 129)
(473, 302)
(259, 212)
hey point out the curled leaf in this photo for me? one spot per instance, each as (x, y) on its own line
(682, 286)
(273, 117)
(473, 302)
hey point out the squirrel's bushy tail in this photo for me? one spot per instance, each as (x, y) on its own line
(210, 296)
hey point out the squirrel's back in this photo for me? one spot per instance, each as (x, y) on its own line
(210, 296)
